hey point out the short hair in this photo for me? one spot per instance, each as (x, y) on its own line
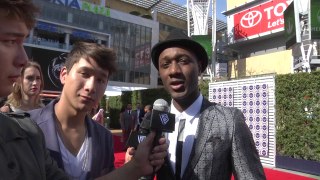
(24, 10)
(149, 107)
(103, 56)
(15, 97)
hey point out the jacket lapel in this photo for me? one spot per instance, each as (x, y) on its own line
(45, 118)
(203, 132)
(168, 163)
(46, 121)
(95, 138)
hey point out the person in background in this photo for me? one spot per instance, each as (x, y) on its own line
(210, 141)
(97, 114)
(26, 90)
(147, 110)
(122, 110)
(127, 120)
(147, 116)
(139, 113)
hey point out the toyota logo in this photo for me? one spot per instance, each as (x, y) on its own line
(250, 19)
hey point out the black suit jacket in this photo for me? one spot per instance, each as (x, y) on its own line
(141, 115)
(223, 145)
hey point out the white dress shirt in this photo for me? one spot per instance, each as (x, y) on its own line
(191, 114)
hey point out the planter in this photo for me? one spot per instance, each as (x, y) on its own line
(305, 166)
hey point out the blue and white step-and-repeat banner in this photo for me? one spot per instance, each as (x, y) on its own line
(255, 98)
(255, 109)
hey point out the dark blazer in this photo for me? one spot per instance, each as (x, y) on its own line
(223, 145)
(23, 154)
(141, 114)
(129, 120)
(102, 142)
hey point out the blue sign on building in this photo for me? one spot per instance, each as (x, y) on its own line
(47, 27)
(69, 3)
(82, 34)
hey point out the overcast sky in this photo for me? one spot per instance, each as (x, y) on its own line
(221, 6)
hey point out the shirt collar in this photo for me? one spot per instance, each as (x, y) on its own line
(190, 112)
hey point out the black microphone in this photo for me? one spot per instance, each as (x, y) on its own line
(136, 137)
(159, 120)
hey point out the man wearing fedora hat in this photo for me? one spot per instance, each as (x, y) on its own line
(23, 152)
(214, 141)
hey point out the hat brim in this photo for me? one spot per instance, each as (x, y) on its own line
(191, 45)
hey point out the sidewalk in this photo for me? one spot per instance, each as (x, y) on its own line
(297, 173)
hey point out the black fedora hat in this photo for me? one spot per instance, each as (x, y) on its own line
(180, 39)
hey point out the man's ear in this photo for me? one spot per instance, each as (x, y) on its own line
(63, 74)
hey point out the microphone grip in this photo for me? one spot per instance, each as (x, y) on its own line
(155, 143)
(156, 138)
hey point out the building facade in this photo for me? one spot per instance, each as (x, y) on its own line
(258, 40)
(62, 23)
(131, 28)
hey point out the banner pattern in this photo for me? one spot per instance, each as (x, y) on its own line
(255, 109)
(223, 96)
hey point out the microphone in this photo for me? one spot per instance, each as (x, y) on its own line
(159, 120)
(136, 137)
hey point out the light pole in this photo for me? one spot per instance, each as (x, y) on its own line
(214, 21)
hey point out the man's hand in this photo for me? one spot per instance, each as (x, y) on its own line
(148, 158)
(144, 161)
(129, 154)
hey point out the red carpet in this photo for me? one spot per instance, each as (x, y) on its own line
(275, 174)
(119, 153)
(271, 174)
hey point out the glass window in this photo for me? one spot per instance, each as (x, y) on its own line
(131, 42)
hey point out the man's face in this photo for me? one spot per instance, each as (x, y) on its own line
(179, 70)
(146, 109)
(12, 54)
(84, 84)
(129, 106)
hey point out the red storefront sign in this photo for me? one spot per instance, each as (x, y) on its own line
(260, 19)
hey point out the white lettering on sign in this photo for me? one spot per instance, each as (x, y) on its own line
(262, 18)
(252, 18)
(277, 10)
(276, 23)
